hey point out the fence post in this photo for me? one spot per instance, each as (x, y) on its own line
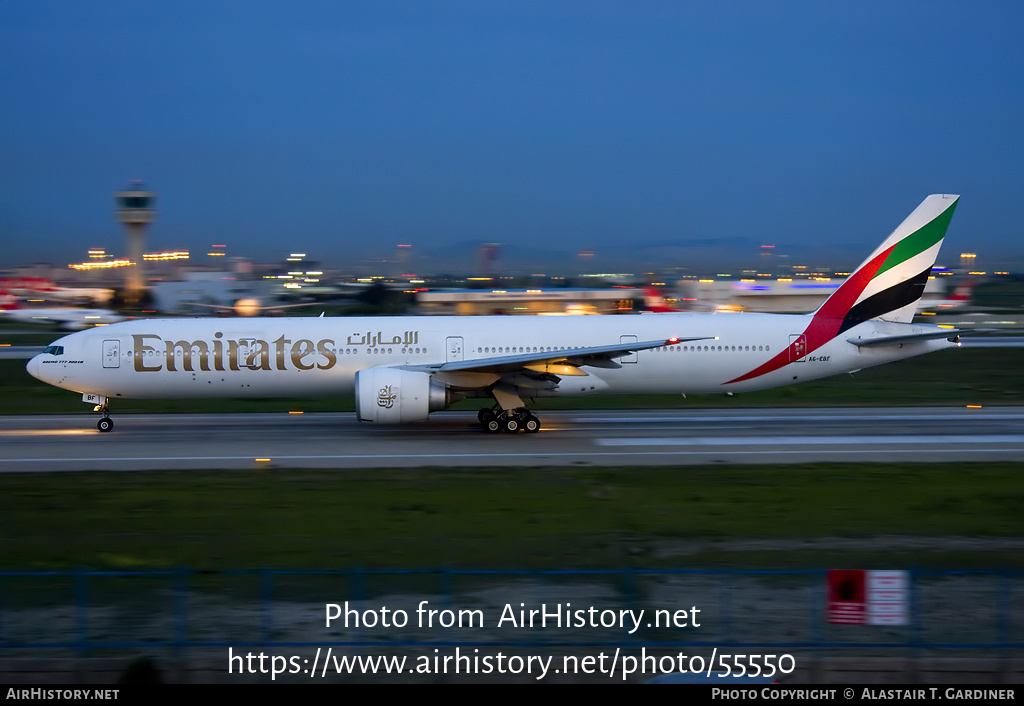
(267, 604)
(180, 610)
(916, 626)
(1004, 629)
(445, 589)
(82, 610)
(355, 576)
(725, 577)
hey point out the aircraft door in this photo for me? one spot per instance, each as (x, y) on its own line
(632, 357)
(797, 347)
(454, 349)
(111, 354)
(246, 347)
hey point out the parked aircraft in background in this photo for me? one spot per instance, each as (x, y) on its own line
(40, 287)
(959, 299)
(403, 368)
(66, 318)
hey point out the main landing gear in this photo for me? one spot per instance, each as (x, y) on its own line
(105, 423)
(495, 419)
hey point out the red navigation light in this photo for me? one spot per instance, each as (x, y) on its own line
(672, 340)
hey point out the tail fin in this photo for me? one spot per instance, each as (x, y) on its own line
(888, 285)
(963, 292)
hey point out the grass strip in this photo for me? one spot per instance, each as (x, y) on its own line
(514, 518)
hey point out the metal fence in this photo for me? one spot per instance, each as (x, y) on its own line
(87, 612)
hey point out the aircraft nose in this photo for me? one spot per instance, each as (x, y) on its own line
(33, 367)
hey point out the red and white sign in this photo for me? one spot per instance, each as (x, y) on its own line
(888, 597)
(858, 597)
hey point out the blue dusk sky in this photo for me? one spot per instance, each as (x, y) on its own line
(628, 128)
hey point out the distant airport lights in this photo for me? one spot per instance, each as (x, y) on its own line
(105, 264)
(168, 255)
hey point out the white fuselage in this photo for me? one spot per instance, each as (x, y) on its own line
(268, 357)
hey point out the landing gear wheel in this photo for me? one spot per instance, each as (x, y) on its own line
(511, 424)
(531, 425)
(105, 424)
(492, 425)
(485, 415)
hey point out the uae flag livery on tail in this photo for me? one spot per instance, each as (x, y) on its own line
(887, 286)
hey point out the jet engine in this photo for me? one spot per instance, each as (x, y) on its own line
(395, 396)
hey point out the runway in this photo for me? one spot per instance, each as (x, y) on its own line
(568, 438)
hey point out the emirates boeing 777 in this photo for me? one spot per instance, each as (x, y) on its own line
(403, 368)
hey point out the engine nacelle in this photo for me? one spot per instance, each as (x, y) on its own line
(395, 396)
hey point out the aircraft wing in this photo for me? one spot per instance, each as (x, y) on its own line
(597, 356)
(233, 307)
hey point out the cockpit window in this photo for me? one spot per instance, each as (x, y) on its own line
(54, 350)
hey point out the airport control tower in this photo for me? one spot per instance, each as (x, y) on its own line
(135, 210)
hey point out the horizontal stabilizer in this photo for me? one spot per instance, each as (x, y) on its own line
(951, 334)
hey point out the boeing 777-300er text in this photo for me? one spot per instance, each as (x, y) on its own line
(403, 368)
